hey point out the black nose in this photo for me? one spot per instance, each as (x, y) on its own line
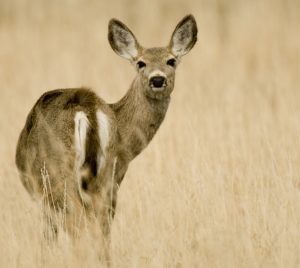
(157, 81)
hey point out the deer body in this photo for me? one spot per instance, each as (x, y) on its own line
(86, 144)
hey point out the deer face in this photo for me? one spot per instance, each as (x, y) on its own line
(155, 66)
(156, 72)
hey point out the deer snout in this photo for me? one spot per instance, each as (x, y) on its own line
(157, 81)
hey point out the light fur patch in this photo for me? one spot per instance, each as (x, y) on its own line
(81, 128)
(125, 42)
(103, 129)
(157, 73)
(103, 132)
(101, 162)
(181, 39)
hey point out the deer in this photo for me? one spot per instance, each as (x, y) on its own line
(75, 148)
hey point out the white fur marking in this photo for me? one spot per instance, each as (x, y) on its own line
(182, 38)
(101, 162)
(157, 73)
(125, 42)
(103, 129)
(81, 127)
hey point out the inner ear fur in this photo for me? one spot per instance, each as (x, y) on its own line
(122, 40)
(184, 36)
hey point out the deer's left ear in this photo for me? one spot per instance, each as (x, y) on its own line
(184, 36)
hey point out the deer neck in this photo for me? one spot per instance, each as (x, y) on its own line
(138, 118)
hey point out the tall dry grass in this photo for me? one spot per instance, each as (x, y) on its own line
(219, 186)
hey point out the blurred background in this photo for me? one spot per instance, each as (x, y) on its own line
(219, 184)
(64, 43)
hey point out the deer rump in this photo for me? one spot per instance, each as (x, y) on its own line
(64, 149)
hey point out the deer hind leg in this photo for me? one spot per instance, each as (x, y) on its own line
(63, 209)
(86, 165)
(104, 196)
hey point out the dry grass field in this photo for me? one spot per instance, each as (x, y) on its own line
(219, 186)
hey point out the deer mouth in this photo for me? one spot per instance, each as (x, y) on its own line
(158, 93)
(158, 89)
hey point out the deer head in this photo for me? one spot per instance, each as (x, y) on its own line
(155, 66)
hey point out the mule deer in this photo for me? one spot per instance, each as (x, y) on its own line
(75, 148)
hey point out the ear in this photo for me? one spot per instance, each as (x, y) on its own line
(122, 40)
(184, 36)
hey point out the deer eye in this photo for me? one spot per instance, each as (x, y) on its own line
(140, 64)
(171, 62)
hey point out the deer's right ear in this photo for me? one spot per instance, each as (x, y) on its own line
(122, 40)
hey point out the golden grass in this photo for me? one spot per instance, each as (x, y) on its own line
(219, 186)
